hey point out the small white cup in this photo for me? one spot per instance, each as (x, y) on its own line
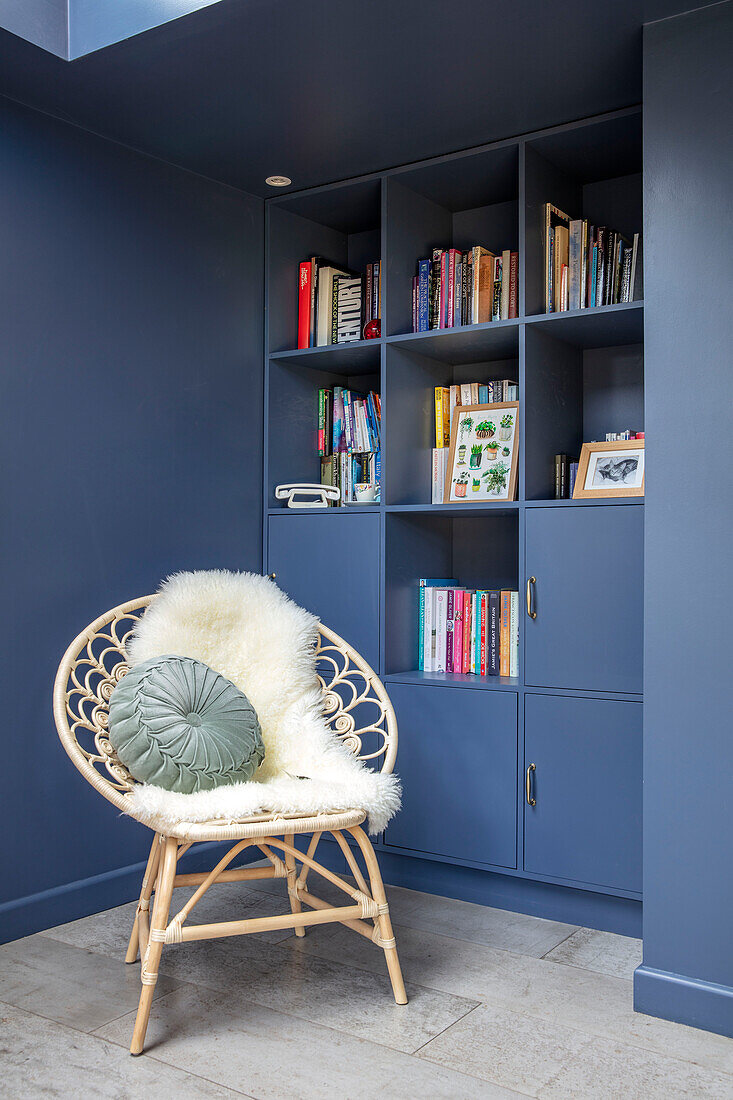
(365, 492)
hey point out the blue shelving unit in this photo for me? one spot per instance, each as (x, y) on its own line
(575, 709)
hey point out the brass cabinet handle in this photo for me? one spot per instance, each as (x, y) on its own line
(272, 576)
(532, 614)
(530, 801)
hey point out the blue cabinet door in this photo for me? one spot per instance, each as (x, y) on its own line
(587, 785)
(588, 565)
(457, 759)
(328, 562)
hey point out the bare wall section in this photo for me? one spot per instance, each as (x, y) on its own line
(131, 321)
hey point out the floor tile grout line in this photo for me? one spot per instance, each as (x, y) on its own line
(110, 1042)
(464, 1072)
(304, 1019)
(565, 940)
(443, 1030)
(592, 1035)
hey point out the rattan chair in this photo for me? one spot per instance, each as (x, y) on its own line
(91, 667)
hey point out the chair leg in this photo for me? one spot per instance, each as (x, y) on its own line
(383, 925)
(151, 958)
(295, 906)
(144, 900)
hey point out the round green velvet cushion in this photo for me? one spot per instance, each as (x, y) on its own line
(177, 724)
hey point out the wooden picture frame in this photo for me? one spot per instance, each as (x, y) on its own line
(597, 480)
(480, 454)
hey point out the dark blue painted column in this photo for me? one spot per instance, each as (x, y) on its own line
(688, 758)
(131, 435)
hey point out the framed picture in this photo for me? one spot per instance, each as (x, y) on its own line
(611, 470)
(483, 456)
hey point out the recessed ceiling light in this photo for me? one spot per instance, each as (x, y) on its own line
(278, 181)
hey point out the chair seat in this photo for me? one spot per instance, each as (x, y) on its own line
(263, 825)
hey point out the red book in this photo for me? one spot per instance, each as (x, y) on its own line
(443, 290)
(513, 283)
(482, 627)
(304, 304)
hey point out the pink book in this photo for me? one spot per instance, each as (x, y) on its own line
(449, 631)
(458, 630)
(467, 614)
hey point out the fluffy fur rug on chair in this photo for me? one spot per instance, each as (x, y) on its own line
(244, 627)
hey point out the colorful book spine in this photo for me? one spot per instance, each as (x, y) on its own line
(481, 632)
(514, 635)
(458, 612)
(321, 422)
(450, 610)
(466, 653)
(513, 285)
(442, 416)
(440, 464)
(423, 277)
(494, 623)
(452, 266)
(441, 617)
(429, 631)
(474, 620)
(304, 304)
(505, 633)
(496, 301)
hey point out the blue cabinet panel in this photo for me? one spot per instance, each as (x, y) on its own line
(457, 759)
(587, 786)
(588, 565)
(329, 563)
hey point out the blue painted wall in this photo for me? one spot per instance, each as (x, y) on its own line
(131, 321)
(688, 839)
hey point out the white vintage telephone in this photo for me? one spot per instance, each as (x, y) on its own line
(306, 495)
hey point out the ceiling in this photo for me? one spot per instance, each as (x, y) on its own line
(320, 90)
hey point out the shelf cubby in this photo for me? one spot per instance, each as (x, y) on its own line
(479, 550)
(292, 450)
(453, 202)
(575, 394)
(341, 223)
(589, 170)
(410, 403)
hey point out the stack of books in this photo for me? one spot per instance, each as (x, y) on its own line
(566, 472)
(613, 437)
(349, 442)
(334, 305)
(588, 265)
(566, 468)
(447, 398)
(464, 288)
(464, 630)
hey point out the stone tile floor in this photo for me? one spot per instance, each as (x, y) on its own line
(501, 1005)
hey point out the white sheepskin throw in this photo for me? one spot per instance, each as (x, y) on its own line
(244, 627)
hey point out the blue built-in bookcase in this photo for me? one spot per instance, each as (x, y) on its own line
(572, 850)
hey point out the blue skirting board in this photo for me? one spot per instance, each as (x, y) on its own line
(691, 1001)
(36, 912)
